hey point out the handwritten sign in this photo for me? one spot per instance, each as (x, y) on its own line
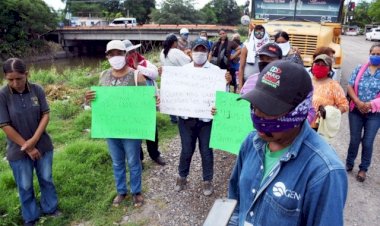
(190, 92)
(232, 122)
(124, 112)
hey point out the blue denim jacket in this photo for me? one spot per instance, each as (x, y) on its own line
(308, 186)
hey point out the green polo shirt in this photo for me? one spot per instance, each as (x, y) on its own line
(23, 111)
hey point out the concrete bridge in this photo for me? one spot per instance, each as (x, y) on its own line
(94, 39)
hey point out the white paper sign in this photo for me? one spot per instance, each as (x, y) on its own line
(190, 92)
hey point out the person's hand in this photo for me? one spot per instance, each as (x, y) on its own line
(29, 144)
(228, 77)
(239, 88)
(322, 111)
(34, 154)
(160, 70)
(141, 78)
(158, 101)
(296, 50)
(213, 111)
(368, 106)
(89, 96)
(363, 107)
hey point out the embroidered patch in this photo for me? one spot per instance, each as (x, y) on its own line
(272, 77)
(35, 101)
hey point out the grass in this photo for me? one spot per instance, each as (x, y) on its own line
(82, 169)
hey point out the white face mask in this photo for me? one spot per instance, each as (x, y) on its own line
(117, 62)
(203, 37)
(285, 47)
(199, 58)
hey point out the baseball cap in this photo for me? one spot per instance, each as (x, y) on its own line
(271, 50)
(184, 31)
(280, 87)
(325, 58)
(129, 46)
(115, 44)
(198, 42)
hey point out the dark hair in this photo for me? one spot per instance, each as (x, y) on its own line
(259, 27)
(374, 46)
(221, 29)
(14, 65)
(323, 50)
(170, 39)
(281, 34)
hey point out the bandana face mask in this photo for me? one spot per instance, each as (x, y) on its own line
(291, 120)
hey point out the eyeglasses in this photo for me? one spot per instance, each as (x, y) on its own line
(259, 32)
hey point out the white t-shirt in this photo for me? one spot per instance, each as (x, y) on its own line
(175, 57)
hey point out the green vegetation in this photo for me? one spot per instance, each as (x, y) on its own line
(82, 168)
(22, 24)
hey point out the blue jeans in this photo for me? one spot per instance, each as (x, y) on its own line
(371, 124)
(122, 150)
(23, 174)
(190, 130)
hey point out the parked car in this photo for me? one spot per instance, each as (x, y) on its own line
(374, 34)
(123, 22)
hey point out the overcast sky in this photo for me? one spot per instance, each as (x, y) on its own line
(57, 4)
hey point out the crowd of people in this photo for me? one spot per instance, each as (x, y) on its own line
(286, 172)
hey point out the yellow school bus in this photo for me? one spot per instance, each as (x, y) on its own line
(309, 23)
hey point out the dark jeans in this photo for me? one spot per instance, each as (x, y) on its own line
(371, 123)
(190, 130)
(152, 147)
(233, 81)
(23, 170)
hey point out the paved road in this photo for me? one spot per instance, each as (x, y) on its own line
(363, 202)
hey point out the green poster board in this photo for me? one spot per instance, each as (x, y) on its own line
(124, 112)
(232, 122)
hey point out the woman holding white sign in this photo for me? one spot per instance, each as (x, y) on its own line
(122, 149)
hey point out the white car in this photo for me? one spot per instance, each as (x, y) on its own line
(374, 34)
(123, 22)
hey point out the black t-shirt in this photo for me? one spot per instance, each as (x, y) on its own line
(23, 111)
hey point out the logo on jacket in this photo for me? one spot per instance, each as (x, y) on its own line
(279, 190)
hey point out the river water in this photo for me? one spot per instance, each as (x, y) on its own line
(67, 63)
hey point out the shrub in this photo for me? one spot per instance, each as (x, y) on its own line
(64, 109)
(43, 77)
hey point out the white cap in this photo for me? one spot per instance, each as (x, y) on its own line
(129, 46)
(184, 31)
(115, 44)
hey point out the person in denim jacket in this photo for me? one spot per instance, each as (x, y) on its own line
(286, 174)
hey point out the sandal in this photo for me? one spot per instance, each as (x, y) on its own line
(361, 176)
(138, 200)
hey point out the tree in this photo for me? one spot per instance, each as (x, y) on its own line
(361, 17)
(225, 12)
(374, 11)
(23, 24)
(139, 9)
(176, 12)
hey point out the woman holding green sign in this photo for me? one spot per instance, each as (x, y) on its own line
(122, 149)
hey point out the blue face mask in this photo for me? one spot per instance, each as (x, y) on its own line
(375, 60)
